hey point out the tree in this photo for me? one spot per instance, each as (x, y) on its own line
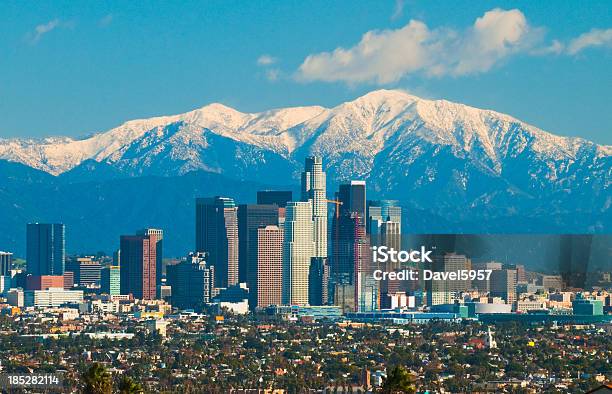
(399, 381)
(128, 386)
(97, 380)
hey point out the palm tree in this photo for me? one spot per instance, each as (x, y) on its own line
(97, 380)
(128, 386)
(399, 381)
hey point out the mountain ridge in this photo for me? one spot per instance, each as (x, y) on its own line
(377, 116)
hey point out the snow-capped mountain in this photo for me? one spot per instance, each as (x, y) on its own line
(350, 136)
(454, 168)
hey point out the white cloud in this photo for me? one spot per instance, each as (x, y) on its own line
(593, 38)
(41, 30)
(385, 56)
(265, 60)
(398, 9)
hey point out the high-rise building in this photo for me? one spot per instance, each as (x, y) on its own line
(447, 291)
(266, 281)
(138, 266)
(521, 274)
(314, 190)
(46, 249)
(278, 197)
(298, 249)
(6, 263)
(86, 271)
(318, 281)
(217, 235)
(111, 280)
(89, 273)
(503, 284)
(388, 233)
(351, 265)
(380, 211)
(484, 285)
(250, 218)
(192, 282)
(156, 235)
(351, 255)
(353, 198)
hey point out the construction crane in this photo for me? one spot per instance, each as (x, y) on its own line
(337, 203)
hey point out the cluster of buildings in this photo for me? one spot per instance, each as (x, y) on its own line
(312, 253)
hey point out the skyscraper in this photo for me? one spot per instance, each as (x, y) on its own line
(278, 197)
(379, 211)
(111, 280)
(447, 291)
(484, 285)
(350, 260)
(157, 236)
(138, 266)
(318, 281)
(89, 273)
(250, 218)
(353, 198)
(86, 271)
(314, 189)
(266, 281)
(6, 263)
(192, 281)
(503, 284)
(217, 235)
(298, 249)
(46, 249)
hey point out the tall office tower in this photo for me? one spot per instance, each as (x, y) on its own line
(484, 285)
(379, 211)
(278, 197)
(156, 235)
(192, 281)
(351, 263)
(503, 284)
(138, 266)
(521, 275)
(250, 218)
(111, 280)
(313, 189)
(86, 271)
(389, 235)
(6, 263)
(318, 281)
(353, 198)
(217, 235)
(298, 249)
(89, 273)
(266, 280)
(46, 249)
(447, 291)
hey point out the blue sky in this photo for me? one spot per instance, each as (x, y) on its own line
(72, 68)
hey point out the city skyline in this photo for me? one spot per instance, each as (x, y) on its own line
(256, 247)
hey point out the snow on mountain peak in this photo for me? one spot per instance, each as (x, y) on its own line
(365, 126)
